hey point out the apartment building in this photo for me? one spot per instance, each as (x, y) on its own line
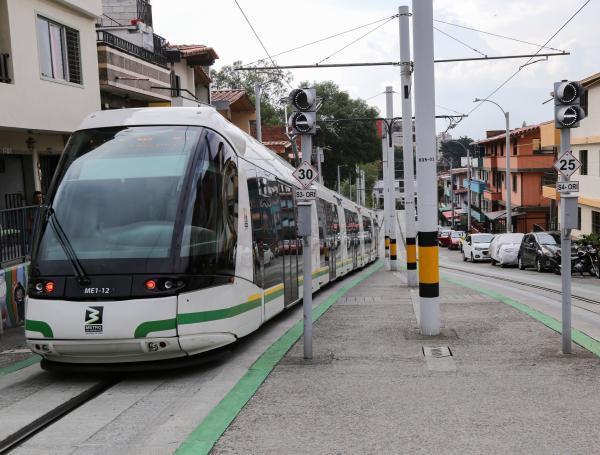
(532, 155)
(585, 144)
(47, 56)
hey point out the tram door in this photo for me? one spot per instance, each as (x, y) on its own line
(332, 238)
(352, 236)
(289, 245)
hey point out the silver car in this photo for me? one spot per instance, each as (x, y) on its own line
(504, 249)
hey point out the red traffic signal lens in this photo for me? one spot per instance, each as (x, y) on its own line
(49, 287)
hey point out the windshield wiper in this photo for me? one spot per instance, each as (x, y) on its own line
(63, 240)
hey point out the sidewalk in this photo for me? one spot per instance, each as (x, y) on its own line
(505, 389)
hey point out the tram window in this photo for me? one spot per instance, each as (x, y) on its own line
(209, 232)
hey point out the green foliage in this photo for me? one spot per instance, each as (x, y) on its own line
(346, 142)
(589, 239)
(274, 87)
(452, 151)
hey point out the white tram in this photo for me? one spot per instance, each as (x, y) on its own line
(170, 232)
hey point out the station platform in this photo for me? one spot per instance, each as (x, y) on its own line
(494, 381)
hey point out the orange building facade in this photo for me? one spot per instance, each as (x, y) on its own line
(532, 155)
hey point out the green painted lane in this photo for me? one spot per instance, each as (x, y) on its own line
(204, 437)
(20, 365)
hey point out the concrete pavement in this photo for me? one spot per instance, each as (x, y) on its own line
(505, 388)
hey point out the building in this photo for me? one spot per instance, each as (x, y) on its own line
(453, 184)
(585, 144)
(235, 105)
(478, 185)
(138, 68)
(47, 57)
(532, 155)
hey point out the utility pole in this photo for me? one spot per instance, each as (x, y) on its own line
(429, 287)
(468, 190)
(508, 179)
(407, 149)
(319, 161)
(386, 196)
(391, 177)
(452, 193)
(257, 95)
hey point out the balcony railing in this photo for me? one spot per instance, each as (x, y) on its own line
(4, 74)
(157, 57)
(549, 179)
(16, 233)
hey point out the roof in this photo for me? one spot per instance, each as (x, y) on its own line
(233, 96)
(196, 54)
(513, 133)
(590, 80)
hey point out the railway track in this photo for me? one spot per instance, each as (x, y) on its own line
(20, 436)
(522, 283)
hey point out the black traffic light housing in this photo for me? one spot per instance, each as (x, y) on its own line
(570, 104)
(304, 111)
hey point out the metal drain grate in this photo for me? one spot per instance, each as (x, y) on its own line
(437, 352)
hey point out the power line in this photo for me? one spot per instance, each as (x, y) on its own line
(448, 109)
(530, 58)
(261, 43)
(496, 35)
(374, 96)
(357, 39)
(459, 41)
(324, 39)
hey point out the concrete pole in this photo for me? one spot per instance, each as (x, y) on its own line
(305, 211)
(319, 160)
(468, 190)
(389, 113)
(565, 255)
(429, 288)
(508, 182)
(257, 95)
(338, 180)
(407, 149)
(452, 193)
(386, 200)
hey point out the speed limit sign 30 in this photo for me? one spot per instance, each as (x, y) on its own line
(567, 164)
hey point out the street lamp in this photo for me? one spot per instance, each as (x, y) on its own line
(466, 149)
(508, 205)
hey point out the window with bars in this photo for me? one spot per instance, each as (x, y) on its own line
(583, 157)
(59, 51)
(514, 183)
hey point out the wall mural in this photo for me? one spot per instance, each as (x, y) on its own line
(13, 285)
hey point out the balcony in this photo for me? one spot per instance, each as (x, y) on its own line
(492, 195)
(490, 162)
(532, 163)
(131, 73)
(477, 186)
(4, 71)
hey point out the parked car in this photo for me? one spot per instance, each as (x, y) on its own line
(539, 250)
(456, 240)
(476, 247)
(444, 237)
(504, 249)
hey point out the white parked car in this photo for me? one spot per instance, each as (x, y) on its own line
(504, 249)
(476, 247)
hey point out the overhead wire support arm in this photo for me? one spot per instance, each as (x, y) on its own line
(348, 65)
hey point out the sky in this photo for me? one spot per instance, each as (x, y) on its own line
(284, 24)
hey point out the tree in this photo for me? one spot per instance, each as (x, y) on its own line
(346, 142)
(452, 151)
(274, 87)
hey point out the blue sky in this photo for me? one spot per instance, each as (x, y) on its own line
(281, 26)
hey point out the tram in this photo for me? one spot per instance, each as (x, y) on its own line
(169, 232)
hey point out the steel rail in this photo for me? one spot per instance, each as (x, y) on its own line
(522, 283)
(20, 436)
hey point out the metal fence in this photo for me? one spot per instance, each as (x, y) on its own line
(16, 233)
(157, 57)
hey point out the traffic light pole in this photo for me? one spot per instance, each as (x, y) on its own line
(407, 149)
(391, 179)
(429, 288)
(386, 198)
(304, 229)
(565, 254)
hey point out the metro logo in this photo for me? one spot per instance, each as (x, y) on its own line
(93, 319)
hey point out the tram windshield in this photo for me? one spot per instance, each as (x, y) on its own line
(118, 194)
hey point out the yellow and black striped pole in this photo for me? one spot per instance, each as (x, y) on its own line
(391, 178)
(387, 242)
(424, 90)
(407, 149)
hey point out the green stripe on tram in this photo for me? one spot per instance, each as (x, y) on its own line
(39, 326)
(215, 315)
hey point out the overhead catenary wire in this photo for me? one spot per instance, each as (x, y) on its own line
(459, 41)
(497, 35)
(325, 38)
(530, 58)
(357, 39)
(261, 43)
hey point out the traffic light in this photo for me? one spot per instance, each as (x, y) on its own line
(304, 111)
(569, 104)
